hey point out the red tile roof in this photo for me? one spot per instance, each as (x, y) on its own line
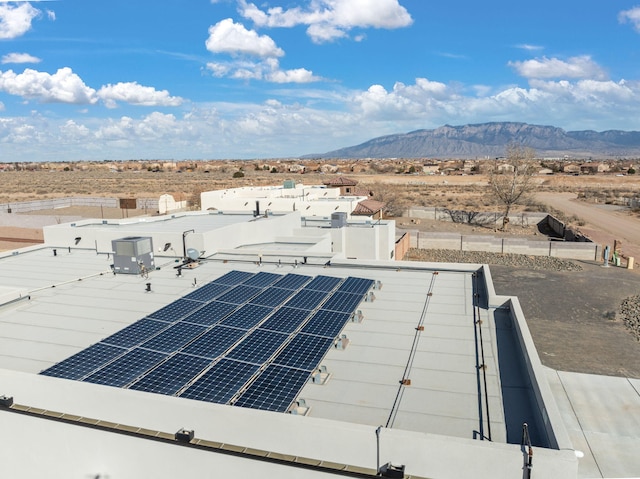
(340, 181)
(362, 192)
(368, 207)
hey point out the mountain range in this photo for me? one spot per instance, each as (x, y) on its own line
(491, 139)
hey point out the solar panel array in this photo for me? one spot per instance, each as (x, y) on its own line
(250, 340)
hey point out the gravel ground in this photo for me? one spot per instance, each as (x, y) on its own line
(575, 317)
(546, 263)
(629, 313)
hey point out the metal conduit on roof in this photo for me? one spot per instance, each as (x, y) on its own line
(406, 381)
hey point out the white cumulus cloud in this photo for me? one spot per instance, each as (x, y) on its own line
(233, 38)
(631, 16)
(20, 58)
(328, 20)
(301, 121)
(406, 101)
(64, 86)
(296, 75)
(591, 91)
(575, 67)
(135, 94)
(74, 131)
(15, 20)
(267, 70)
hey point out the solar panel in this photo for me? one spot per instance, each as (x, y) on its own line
(272, 297)
(233, 277)
(326, 323)
(323, 283)
(258, 346)
(240, 294)
(247, 316)
(262, 279)
(356, 285)
(343, 302)
(304, 352)
(175, 347)
(172, 375)
(274, 390)
(176, 310)
(286, 320)
(136, 333)
(292, 281)
(126, 368)
(210, 314)
(306, 299)
(220, 383)
(84, 362)
(215, 342)
(208, 292)
(174, 338)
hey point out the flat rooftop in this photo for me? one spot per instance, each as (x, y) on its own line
(423, 357)
(78, 302)
(176, 223)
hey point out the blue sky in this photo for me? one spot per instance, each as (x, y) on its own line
(202, 79)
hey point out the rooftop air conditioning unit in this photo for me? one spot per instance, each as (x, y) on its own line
(338, 219)
(131, 253)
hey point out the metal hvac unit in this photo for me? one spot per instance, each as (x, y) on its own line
(339, 219)
(131, 252)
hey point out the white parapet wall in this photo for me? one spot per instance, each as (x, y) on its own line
(168, 204)
(209, 236)
(310, 201)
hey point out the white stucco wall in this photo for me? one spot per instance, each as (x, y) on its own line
(309, 200)
(167, 204)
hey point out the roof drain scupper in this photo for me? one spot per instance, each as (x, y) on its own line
(406, 381)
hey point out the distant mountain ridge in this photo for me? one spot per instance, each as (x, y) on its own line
(490, 140)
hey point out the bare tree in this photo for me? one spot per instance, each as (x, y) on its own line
(511, 181)
(469, 217)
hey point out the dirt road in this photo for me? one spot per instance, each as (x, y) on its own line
(603, 223)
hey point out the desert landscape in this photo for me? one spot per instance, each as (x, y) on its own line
(400, 184)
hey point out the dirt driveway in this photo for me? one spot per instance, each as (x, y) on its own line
(603, 222)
